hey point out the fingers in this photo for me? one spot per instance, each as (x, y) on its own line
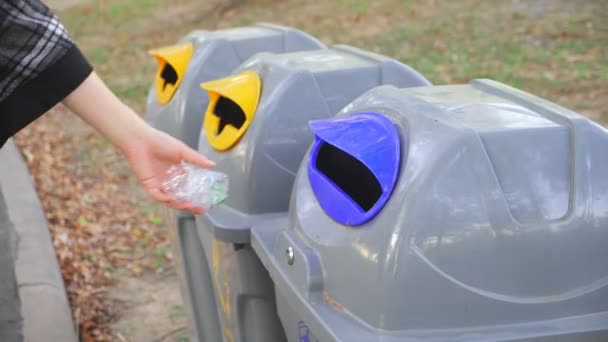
(159, 195)
(196, 158)
(167, 199)
(197, 211)
(187, 206)
(172, 202)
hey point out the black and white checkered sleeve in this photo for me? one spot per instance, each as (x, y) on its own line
(32, 40)
(39, 63)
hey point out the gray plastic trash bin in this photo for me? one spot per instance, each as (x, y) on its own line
(449, 213)
(258, 137)
(175, 102)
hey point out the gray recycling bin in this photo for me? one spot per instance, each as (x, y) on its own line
(256, 130)
(175, 101)
(448, 213)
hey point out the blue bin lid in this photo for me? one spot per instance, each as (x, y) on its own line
(353, 166)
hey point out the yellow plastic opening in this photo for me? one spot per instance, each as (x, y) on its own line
(172, 65)
(233, 102)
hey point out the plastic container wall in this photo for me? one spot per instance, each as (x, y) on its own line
(495, 229)
(261, 154)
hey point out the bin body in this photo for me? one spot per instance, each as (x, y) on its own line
(494, 230)
(216, 54)
(262, 163)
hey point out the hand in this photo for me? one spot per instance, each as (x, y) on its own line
(152, 154)
(149, 152)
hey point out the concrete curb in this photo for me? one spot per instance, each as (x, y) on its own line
(45, 308)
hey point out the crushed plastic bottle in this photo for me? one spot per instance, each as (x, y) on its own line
(203, 188)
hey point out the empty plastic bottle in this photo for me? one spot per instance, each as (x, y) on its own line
(203, 188)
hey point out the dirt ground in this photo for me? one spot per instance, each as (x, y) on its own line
(151, 309)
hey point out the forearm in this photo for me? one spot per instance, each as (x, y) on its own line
(59, 72)
(94, 103)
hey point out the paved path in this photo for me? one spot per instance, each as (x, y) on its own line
(45, 308)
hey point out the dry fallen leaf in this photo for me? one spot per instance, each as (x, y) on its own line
(100, 221)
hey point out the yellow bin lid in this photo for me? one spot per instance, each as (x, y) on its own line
(172, 65)
(233, 102)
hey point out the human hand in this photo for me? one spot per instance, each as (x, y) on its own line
(150, 157)
(150, 152)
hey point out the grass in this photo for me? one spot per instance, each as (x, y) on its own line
(160, 263)
(550, 48)
(176, 314)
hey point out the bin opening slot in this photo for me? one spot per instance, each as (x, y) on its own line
(350, 175)
(230, 113)
(168, 75)
(172, 63)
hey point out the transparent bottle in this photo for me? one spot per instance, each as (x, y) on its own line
(204, 188)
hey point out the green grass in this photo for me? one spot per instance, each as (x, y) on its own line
(558, 51)
(98, 55)
(182, 337)
(176, 313)
(160, 260)
(358, 7)
(156, 220)
(96, 17)
(478, 45)
(125, 10)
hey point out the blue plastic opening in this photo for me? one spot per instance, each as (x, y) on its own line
(353, 165)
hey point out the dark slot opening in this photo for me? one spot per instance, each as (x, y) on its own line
(169, 75)
(229, 113)
(350, 175)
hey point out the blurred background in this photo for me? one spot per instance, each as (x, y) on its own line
(112, 242)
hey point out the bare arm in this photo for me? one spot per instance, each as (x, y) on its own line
(95, 103)
(150, 152)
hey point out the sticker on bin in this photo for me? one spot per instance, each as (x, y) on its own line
(233, 102)
(172, 65)
(354, 164)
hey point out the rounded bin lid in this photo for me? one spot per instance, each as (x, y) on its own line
(353, 165)
(233, 102)
(173, 62)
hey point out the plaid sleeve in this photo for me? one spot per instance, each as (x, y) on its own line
(32, 39)
(39, 63)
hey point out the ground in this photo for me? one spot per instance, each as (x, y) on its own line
(112, 242)
(151, 309)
